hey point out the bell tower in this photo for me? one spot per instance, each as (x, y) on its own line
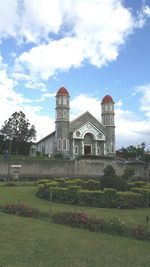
(108, 121)
(62, 121)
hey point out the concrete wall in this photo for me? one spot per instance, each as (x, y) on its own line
(37, 169)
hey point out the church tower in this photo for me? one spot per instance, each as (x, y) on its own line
(108, 116)
(62, 121)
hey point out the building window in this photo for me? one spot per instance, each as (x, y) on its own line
(59, 113)
(59, 100)
(64, 114)
(106, 107)
(77, 133)
(110, 107)
(108, 147)
(98, 150)
(76, 150)
(111, 119)
(64, 144)
(59, 144)
(106, 119)
(64, 101)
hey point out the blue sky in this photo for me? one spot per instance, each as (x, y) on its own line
(92, 47)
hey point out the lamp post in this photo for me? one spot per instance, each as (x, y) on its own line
(9, 157)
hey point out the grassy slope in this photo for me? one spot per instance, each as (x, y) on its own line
(32, 243)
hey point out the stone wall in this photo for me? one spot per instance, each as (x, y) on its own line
(36, 169)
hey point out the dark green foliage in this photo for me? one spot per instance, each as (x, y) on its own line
(58, 156)
(69, 191)
(91, 185)
(109, 171)
(131, 200)
(113, 182)
(134, 151)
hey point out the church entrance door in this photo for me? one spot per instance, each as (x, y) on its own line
(87, 150)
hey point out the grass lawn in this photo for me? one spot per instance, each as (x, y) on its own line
(27, 242)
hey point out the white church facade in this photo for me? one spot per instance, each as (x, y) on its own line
(85, 135)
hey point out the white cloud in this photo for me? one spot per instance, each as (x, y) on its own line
(86, 31)
(146, 10)
(11, 101)
(8, 18)
(45, 60)
(83, 103)
(144, 90)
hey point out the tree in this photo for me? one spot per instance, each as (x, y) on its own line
(18, 129)
(134, 151)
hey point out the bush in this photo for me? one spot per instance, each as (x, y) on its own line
(114, 226)
(117, 226)
(109, 198)
(91, 185)
(43, 181)
(139, 183)
(113, 182)
(139, 232)
(21, 209)
(109, 171)
(130, 200)
(71, 218)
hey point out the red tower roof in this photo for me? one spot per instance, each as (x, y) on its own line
(107, 99)
(62, 91)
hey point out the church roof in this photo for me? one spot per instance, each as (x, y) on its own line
(107, 99)
(45, 137)
(62, 91)
(84, 118)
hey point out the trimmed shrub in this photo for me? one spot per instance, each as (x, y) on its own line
(139, 183)
(130, 200)
(91, 185)
(113, 182)
(109, 171)
(117, 226)
(21, 209)
(75, 219)
(114, 226)
(43, 181)
(139, 232)
(109, 198)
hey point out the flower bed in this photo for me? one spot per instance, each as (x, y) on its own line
(114, 226)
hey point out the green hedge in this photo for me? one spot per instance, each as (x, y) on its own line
(109, 198)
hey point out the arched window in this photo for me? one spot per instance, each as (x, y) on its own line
(64, 113)
(59, 100)
(64, 100)
(59, 144)
(59, 113)
(64, 144)
(76, 150)
(110, 107)
(106, 107)
(98, 150)
(108, 147)
(106, 119)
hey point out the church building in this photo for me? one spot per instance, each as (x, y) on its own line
(84, 135)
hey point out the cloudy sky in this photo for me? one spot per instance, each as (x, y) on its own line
(92, 47)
